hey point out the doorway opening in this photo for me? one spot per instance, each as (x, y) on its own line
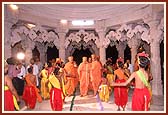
(52, 53)
(78, 54)
(127, 53)
(111, 52)
(35, 53)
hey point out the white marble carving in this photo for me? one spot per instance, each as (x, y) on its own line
(77, 37)
(34, 34)
(118, 34)
(15, 37)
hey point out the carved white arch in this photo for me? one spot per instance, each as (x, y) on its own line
(130, 32)
(37, 33)
(81, 35)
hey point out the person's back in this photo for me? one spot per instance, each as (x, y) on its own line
(138, 82)
(120, 93)
(30, 79)
(30, 93)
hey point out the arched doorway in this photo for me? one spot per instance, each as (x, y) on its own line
(52, 53)
(111, 52)
(35, 53)
(78, 50)
(78, 54)
(127, 53)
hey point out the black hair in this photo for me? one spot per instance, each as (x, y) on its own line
(49, 64)
(104, 74)
(56, 71)
(11, 61)
(30, 70)
(108, 62)
(120, 64)
(143, 61)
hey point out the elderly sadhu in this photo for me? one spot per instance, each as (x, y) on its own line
(95, 73)
(71, 74)
(83, 71)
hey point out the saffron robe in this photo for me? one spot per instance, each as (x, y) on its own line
(83, 72)
(70, 77)
(96, 75)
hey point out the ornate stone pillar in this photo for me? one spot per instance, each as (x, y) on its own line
(62, 45)
(155, 58)
(28, 55)
(133, 44)
(42, 56)
(102, 54)
(28, 52)
(41, 49)
(102, 49)
(156, 68)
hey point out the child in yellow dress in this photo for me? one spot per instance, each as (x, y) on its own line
(104, 90)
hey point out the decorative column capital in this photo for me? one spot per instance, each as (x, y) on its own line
(156, 34)
(62, 29)
(103, 41)
(61, 40)
(100, 25)
(133, 42)
(61, 34)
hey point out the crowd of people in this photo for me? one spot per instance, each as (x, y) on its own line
(56, 80)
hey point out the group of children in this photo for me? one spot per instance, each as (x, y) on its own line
(119, 81)
(110, 75)
(53, 85)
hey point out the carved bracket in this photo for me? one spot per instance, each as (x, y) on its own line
(37, 33)
(126, 32)
(81, 35)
